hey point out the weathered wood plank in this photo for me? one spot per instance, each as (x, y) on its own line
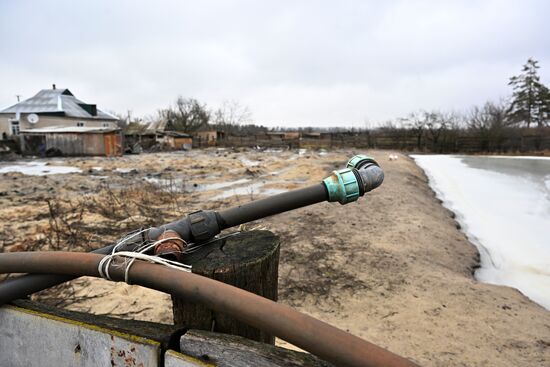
(233, 351)
(150, 330)
(31, 338)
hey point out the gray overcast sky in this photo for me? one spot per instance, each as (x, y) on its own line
(294, 63)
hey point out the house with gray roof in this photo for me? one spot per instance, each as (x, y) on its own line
(53, 109)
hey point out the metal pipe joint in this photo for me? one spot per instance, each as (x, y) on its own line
(196, 227)
(361, 175)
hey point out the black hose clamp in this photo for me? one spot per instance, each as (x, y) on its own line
(203, 225)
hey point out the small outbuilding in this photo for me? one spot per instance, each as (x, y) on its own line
(157, 132)
(175, 140)
(208, 137)
(311, 135)
(72, 141)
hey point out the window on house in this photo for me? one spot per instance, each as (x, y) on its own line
(15, 128)
(105, 124)
(80, 124)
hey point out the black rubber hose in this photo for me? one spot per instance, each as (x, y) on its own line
(272, 205)
(25, 285)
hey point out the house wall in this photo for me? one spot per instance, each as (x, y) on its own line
(49, 121)
(4, 125)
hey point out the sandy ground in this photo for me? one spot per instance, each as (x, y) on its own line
(392, 268)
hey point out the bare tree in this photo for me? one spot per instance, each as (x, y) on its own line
(492, 116)
(436, 124)
(416, 122)
(231, 114)
(488, 122)
(187, 114)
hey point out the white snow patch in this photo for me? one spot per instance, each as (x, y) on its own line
(38, 169)
(273, 150)
(252, 189)
(249, 163)
(183, 184)
(273, 191)
(506, 215)
(124, 170)
(223, 184)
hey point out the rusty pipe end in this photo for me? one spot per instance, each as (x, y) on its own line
(170, 246)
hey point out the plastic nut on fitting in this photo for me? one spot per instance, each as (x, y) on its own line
(360, 160)
(342, 186)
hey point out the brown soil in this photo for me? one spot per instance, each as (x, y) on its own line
(392, 268)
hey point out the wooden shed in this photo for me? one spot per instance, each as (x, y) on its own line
(176, 140)
(209, 137)
(72, 141)
(284, 135)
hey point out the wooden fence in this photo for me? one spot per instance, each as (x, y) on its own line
(449, 141)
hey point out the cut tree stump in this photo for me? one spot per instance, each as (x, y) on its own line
(248, 260)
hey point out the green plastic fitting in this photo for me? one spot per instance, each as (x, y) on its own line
(357, 161)
(342, 186)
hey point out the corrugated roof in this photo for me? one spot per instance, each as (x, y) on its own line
(135, 128)
(175, 134)
(69, 129)
(56, 101)
(158, 125)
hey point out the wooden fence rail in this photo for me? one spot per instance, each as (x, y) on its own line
(512, 140)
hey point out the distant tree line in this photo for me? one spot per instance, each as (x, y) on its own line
(190, 115)
(527, 108)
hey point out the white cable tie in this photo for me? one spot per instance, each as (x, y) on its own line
(105, 263)
(126, 279)
(103, 267)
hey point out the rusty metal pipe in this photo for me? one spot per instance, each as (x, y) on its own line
(306, 332)
(20, 287)
(170, 246)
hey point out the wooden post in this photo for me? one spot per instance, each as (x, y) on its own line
(250, 261)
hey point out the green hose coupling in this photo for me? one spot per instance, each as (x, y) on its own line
(359, 160)
(342, 186)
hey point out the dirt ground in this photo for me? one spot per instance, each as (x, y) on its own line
(393, 268)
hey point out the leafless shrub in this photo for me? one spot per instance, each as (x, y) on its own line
(113, 212)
